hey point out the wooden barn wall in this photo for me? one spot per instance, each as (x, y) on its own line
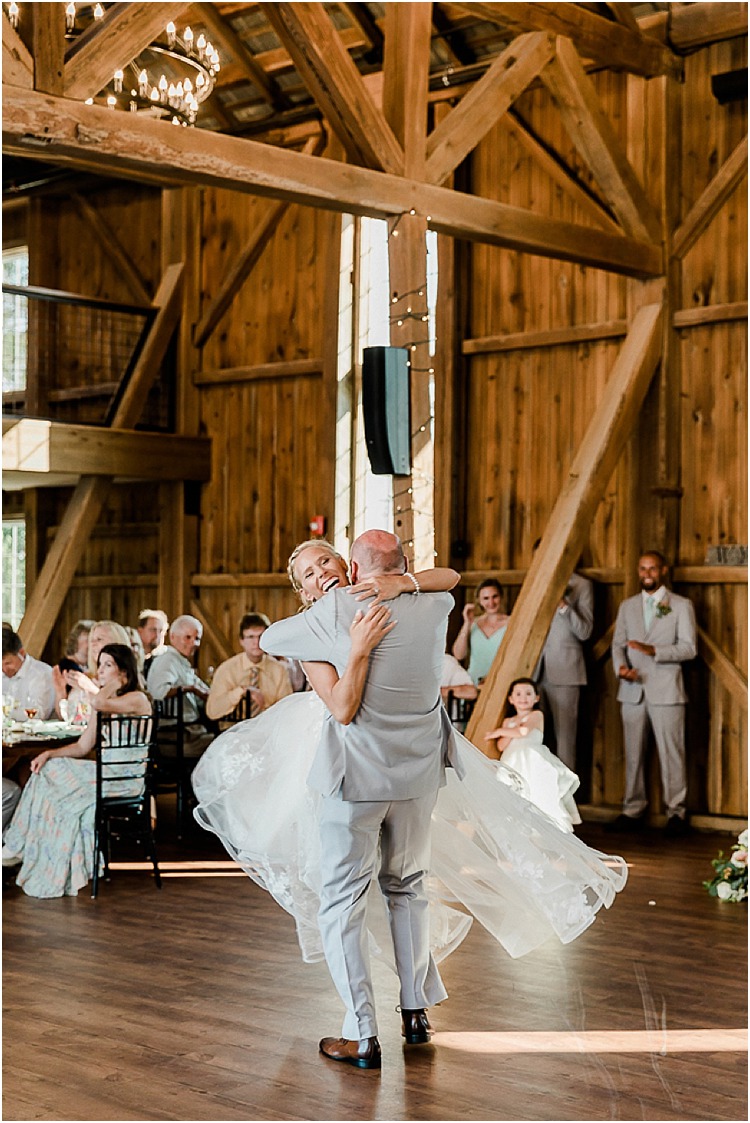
(272, 437)
(117, 576)
(526, 410)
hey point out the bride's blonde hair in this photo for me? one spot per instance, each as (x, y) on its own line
(326, 545)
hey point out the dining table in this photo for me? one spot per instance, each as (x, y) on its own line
(23, 740)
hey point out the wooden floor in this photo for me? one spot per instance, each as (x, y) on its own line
(192, 1003)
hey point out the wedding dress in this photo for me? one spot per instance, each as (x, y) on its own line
(493, 852)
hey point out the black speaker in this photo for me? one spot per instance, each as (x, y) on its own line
(385, 408)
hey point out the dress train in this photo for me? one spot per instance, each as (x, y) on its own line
(493, 852)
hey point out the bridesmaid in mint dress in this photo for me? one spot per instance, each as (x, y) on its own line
(481, 636)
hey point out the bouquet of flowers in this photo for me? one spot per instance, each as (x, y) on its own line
(730, 880)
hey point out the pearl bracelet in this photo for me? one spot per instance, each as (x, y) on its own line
(413, 579)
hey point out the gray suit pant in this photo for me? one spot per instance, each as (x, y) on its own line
(563, 707)
(349, 835)
(668, 724)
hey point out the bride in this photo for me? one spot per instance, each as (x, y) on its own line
(493, 852)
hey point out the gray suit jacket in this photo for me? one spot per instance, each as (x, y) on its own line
(397, 746)
(562, 662)
(672, 633)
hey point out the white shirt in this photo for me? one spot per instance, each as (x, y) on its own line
(31, 686)
(453, 673)
(173, 669)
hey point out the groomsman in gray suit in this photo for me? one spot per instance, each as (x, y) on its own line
(378, 779)
(561, 671)
(654, 635)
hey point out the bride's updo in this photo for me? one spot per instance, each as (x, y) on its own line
(326, 545)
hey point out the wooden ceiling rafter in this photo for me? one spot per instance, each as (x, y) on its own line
(122, 33)
(18, 62)
(466, 125)
(406, 74)
(593, 135)
(595, 37)
(331, 76)
(48, 36)
(221, 30)
(361, 18)
(153, 151)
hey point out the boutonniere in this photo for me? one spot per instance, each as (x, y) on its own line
(663, 608)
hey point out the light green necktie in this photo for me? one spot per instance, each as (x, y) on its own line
(648, 611)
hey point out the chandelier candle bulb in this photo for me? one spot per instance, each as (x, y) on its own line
(188, 37)
(118, 77)
(163, 87)
(13, 14)
(143, 84)
(171, 34)
(70, 16)
(111, 101)
(98, 12)
(201, 46)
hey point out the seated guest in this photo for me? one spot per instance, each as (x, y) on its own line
(252, 670)
(152, 628)
(136, 644)
(172, 673)
(51, 834)
(77, 644)
(26, 680)
(11, 796)
(456, 680)
(85, 684)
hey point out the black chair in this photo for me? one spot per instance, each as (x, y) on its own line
(124, 747)
(241, 711)
(172, 767)
(459, 710)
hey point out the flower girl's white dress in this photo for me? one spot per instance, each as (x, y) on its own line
(545, 780)
(492, 851)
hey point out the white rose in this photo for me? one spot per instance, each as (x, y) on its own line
(743, 839)
(724, 890)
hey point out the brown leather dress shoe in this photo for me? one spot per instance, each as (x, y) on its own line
(363, 1054)
(416, 1028)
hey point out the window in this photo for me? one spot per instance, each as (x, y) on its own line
(14, 570)
(15, 321)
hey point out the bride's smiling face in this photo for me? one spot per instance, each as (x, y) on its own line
(318, 570)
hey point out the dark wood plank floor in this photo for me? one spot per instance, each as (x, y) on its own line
(193, 1004)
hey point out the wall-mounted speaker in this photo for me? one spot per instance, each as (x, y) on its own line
(385, 407)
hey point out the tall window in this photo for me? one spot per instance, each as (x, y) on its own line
(363, 500)
(14, 570)
(15, 320)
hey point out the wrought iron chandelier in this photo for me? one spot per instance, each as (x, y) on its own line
(168, 81)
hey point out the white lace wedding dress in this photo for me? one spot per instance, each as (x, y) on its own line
(493, 852)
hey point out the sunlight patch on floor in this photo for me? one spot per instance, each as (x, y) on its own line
(599, 1041)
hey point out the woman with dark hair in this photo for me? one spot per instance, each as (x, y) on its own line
(51, 834)
(481, 636)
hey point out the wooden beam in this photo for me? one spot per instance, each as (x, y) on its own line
(240, 580)
(728, 674)
(228, 376)
(555, 337)
(92, 136)
(264, 227)
(213, 631)
(695, 25)
(622, 14)
(571, 517)
(596, 38)
(224, 34)
(91, 493)
(558, 171)
(461, 131)
(728, 177)
(167, 301)
(112, 42)
(51, 587)
(18, 64)
(710, 314)
(331, 76)
(406, 77)
(49, 48)
(592, 133)
(33, 445)
(114, 248)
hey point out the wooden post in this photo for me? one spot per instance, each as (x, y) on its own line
(554, 561)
